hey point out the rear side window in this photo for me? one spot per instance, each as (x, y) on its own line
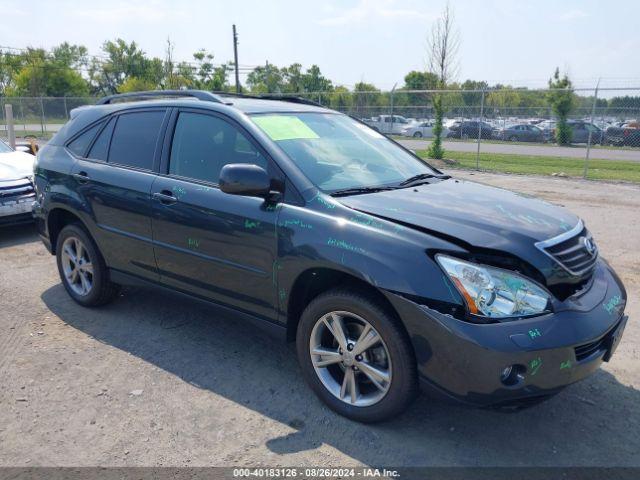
(134, 139)
(81, 143)
(100, 148)
(203, 144)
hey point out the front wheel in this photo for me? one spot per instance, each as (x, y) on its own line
(356, 356)
(417, 135)
(82, 269)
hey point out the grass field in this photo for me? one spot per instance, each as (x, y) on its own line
(542, 165)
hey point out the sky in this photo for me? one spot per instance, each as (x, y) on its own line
(378, 41)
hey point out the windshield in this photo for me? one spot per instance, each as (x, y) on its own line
(4, 148)
(336, 152)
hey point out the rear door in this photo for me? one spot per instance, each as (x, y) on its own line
(114, 181)
(209, 243)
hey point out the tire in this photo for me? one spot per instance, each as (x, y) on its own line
(465, 136)
(101, 289)
(374, 402)
(513, 138)
(417, 135)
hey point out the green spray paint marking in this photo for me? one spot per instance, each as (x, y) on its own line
(520, 217)
(249, 224)
(193, 243)
(179, 192)
(566, 364)
(612, 304)
(565, 226)
(534, 333)
(282, 295)
(344, 245)
(271, 208)
(534, 365)
(322, 201)
(276, 267)
(202, 188)
(296, 223)
(366, 221)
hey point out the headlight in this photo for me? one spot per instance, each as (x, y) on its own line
(493, 292)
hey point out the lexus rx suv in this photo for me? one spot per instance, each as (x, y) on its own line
(388, 274)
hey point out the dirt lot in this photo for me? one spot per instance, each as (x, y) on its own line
(156, 380)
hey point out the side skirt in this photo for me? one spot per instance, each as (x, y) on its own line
(277, 331)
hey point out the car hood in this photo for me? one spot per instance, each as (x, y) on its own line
(15, 165)
(471, 213)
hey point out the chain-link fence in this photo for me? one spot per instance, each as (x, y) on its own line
(510, 130)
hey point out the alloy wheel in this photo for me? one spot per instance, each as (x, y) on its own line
(350, 358)
(77, 266)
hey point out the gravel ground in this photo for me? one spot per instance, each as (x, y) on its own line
(156, 380)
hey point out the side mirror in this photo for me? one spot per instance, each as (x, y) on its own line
(244, 179)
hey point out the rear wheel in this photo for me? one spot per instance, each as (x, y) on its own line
(356, 357)
(82, 269)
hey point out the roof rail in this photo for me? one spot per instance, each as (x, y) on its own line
(199, 94)
(273, 96)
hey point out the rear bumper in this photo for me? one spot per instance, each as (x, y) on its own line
(465, 361)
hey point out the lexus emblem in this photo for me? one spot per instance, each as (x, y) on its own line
(589, 245)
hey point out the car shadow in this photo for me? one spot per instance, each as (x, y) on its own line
(12, 235)
(594, 422)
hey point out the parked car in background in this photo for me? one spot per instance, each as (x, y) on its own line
(16, 185)
(421, 129)
(388, 124)
(470, 129)
(580, 132)
(547, 127)
(627, 134)
(520, 133)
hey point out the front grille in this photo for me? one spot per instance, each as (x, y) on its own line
(575, 250)
(588, 349)
(12, 191)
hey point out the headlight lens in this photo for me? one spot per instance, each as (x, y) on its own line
(493, 292)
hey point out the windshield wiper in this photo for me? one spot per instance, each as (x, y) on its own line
(358, 191)
(420, 178)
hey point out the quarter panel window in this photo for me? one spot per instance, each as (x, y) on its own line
(203, 144)
(100, 148)
(80, 144)
(134, 139)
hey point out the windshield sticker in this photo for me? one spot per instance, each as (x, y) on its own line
(284, 127)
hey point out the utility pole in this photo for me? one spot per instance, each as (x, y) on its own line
(235, 56)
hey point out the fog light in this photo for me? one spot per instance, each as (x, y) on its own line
(513, 375)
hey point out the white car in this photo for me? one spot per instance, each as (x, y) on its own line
(422, 129)
(16, 185)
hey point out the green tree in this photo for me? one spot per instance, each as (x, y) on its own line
(366, 97)
(42, 74)
(267, 79)
(124, 60)
(442, 50)
(562, 100)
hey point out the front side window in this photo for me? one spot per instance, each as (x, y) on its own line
(203, 144)
(336, 152)
(134, 139)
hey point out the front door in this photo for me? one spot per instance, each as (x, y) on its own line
(209, 243)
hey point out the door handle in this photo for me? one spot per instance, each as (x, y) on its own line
(81, 177)
(165, 197)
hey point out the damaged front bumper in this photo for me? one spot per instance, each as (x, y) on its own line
(520, 361)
